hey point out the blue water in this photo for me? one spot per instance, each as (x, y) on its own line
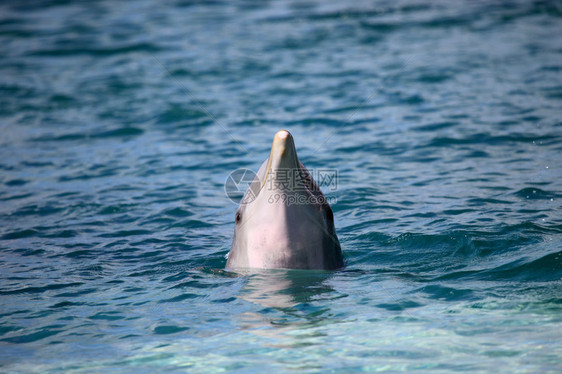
(120, 122)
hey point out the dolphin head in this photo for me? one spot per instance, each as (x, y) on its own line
(284, 220)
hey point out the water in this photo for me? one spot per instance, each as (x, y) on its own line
(120, 122)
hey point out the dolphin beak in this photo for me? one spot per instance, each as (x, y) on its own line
(283, 155)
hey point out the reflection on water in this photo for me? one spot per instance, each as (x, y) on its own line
(288, 299)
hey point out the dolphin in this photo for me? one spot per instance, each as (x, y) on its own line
(284, 220)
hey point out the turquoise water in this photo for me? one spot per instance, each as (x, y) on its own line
(120, 121)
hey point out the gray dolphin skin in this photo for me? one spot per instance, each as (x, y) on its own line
(284, 220)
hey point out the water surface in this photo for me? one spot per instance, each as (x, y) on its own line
(121, 120)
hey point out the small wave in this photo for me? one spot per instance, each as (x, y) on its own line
(33, 337)
(488, 139)
(107, 316)
(453, 255)
(399, 306)
(37, 290)
(176, 113)
(168, 329)
(124, 132)
(125, 233)
(544, 269)
(177, 212)
(19, 234)
(118, 133)
(533, 193)
(97, 52)
(436, 126)
(16, 182)
(439, 292)
(182, 297)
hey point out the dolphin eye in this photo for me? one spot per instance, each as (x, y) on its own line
(238, 217)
